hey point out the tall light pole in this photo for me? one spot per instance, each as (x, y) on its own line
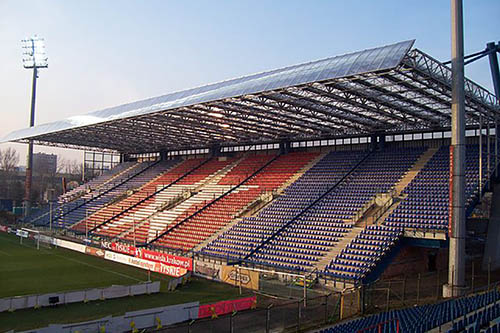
(34, 57)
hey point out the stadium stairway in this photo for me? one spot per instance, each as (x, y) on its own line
(41, 216)
(413, 172)
(100, 182)
(265, 201)
(356, 194)
(384, 202)
(266, 176)
(66, 214)
(341, 245)
(203, 191)
(114, 194)
(141, 205)
(365, 252)
(425, 205)
(301, 172)
(377, 213)
(251, 233)
(225, 182)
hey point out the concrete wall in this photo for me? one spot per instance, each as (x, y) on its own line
(412, 260)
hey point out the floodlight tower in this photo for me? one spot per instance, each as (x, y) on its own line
(34, 57)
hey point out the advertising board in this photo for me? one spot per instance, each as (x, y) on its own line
(249, 279)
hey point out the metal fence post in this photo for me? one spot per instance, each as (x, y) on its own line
(418, 288)
(363, 299)
(387, 300)
(305, 292)
(489, 272)
(341, 315)
(268, 318)
(472, 282)
(359, 300)
(437, 285)
(298, 316)
(404, 288)
(326, 308)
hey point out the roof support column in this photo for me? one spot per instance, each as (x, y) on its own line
(488, 156)
(495, 74)
(373, 142)
(215, 150)
(285, 147)
(456, 229)
(381, 141)
(480, 185)
(163, 155)
(496, 147)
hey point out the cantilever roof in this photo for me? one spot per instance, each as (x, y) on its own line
(389, 88)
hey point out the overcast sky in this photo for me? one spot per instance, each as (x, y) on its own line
(106, 53)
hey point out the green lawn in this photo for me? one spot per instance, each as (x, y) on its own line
(25, 270)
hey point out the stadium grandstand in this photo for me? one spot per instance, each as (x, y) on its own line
(327, 170)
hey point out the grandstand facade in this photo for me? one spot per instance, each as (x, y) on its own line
(320, 169)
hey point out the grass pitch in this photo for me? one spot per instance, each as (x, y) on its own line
(24, 270)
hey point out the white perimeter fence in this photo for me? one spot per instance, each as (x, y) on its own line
(34, 301)
(136, 320)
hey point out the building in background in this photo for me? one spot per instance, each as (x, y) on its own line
(44, 163)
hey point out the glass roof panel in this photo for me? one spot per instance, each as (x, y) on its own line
(329, 68)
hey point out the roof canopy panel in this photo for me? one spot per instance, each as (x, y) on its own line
(385, 88)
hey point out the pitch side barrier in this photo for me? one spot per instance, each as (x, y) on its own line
(153, 261)
(156, 319)
(58, 298)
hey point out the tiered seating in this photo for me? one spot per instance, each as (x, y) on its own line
(250, 232)
(485, 320)
(309, 237)
(427, 201)
(130, 179)
(98, 181)
(69, 213)
(322, 226)
(420, 319)
(363, 253)
(42, 216)
(146, 208)
(210, 220)
(157, 224)
(136, 183)
(76, 211)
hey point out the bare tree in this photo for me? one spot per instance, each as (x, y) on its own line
(9, 160)
(61, 164)
(70, 167)
(76, 168)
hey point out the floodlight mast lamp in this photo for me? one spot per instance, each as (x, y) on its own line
(34, 57)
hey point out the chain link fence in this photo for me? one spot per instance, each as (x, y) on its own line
(283, 307)
(289, 316)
